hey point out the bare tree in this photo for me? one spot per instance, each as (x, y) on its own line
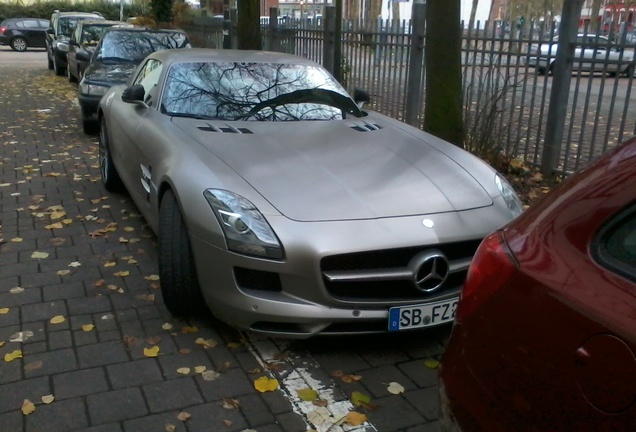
(473, 14)
(443, 107)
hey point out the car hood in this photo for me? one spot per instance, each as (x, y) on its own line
(110, 73)
(340, 170)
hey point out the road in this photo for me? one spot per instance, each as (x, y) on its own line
(86, 332)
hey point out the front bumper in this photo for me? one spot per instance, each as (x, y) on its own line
(60, 57)
(294, 297)
(88, 105)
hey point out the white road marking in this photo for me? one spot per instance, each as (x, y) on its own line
(320, 419)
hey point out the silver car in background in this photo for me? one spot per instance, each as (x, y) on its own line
(283, 206)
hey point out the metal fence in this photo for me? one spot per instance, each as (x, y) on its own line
(505, 96)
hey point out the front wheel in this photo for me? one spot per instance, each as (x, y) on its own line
(19, 44)
(59, 70)
(50, 62)
(69, 74)
(179, 284)
(110, 176)
(629, 72)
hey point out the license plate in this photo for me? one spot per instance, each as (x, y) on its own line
(426, 315)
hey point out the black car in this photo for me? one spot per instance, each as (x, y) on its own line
(82, 44)
(23, 33)
(57, 36)
(118, 54)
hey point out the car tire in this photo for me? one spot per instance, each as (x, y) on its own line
(629, 72)
(540, 70)
(19, 44)
(177, 273)
(59, 70)
(50, 62)
(110, 177)
(69, 75)
(90, 127)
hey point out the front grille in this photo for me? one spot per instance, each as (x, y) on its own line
(384, 275)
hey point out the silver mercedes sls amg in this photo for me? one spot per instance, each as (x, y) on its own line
(283, 206)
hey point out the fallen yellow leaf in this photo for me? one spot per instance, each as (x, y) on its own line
(122, 273)
(9, 357)
(39, 255)
(183, 416)
(129, 229)
(359, 399)
(307, 394)
(199, 369)
(27, 407)
(206, 343)
(233, 345)
(1, 344)
(57, 225)
(63, 272)
(355, 418)
(110, 264)
(48, 399)
(4, 311)
(100, 283)
(88, 327)
(152, 277)
(183, 370)
(265, 384)
(57, 319)
(166, 326)
(170, 427)
(16, 240)
(432, 364)
(151, 352)
(189, 329)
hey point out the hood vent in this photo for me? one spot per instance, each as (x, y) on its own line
(366, 127)
(225, 129)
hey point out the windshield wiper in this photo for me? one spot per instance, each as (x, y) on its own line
(321, 96)
(194, 116)
(116, 59)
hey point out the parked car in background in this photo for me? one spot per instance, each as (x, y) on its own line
(593, 53)
(545, 335)
(285, 207)
(118, 53)
(23, 33)
(62, 26)
(82, 44)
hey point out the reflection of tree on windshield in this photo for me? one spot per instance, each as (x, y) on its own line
(255, 91)
(67, 26)
(135, 46)
(91, 34)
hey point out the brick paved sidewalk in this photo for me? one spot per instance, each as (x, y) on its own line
(71, 249)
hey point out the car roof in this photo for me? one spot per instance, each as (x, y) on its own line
(99, 22)
(128, 27)
(91, 14)
(228, 55)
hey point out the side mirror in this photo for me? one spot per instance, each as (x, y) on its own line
(50, 31)
(360, 97)
(134, 94)
(82, 56)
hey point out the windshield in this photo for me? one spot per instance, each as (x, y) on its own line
(91, 34)
(134, 46)
(255, 91)
(66, 25)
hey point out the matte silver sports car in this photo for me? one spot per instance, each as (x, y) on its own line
(283, 206)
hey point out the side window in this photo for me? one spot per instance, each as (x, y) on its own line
(149, 77)
(44, 23)
(30, 23)
(19, 24)
(616, 244)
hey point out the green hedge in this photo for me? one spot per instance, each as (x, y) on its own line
(44, 9)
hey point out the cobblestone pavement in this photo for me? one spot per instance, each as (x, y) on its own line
(81, 315)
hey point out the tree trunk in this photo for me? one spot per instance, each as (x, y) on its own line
(594, 21)
(249, 26)
(443, 103)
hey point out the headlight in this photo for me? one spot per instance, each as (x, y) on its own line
(245, 228)
(62, 46)
(510, 197)
(93, 89)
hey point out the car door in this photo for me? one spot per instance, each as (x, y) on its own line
(606, 361)
(40, 40)
(136, 126)
(73, 46)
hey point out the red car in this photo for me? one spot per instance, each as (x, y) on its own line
(545, 333)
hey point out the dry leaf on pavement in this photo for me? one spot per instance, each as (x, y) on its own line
(4, 311)
(48, 399)
(27, 407)
(183, 416)
(307, 394)
(395, 388)
(354, 418)
(183, 370)
(57, 319)
(206, 343)
(266, 384)
(10, 356)
(231, 403)
(151, 352)
(210, 375)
